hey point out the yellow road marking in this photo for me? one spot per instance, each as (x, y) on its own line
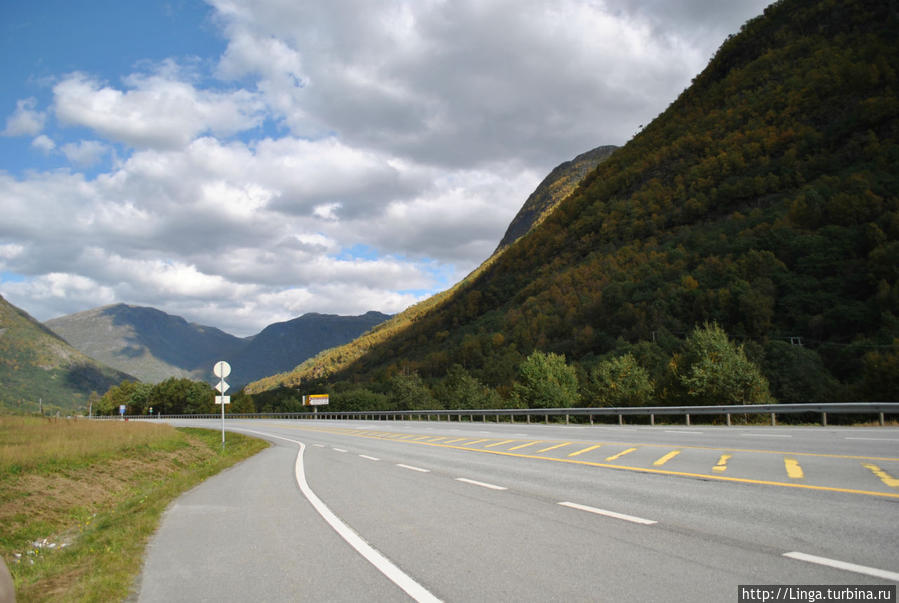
(500, 443)
(476, 442)
(422, 437)
(793, 468)
(587, 449)
(526, 445)
(666, 458)
(885, 477)
(644, 445)
(456, 440)
(620, 454)
(721, 465)
(554, 447)
(438, 439)
(723, 478)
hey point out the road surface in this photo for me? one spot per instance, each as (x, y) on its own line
(514, 512)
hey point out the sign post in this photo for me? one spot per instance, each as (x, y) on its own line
(221, 370)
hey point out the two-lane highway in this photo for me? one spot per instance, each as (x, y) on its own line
(532, 512)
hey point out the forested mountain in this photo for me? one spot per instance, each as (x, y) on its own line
(36, 366)
(283, 345)
(146, 342)
(558, 185)
(765, 199)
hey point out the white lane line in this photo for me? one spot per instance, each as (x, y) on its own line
(874, 439)
(682, 431)
(411, 468)
(371, 554)
(843, 565)
(764, 435)
(371, 458)
(481, 484)
(613, 514)
(338, 450)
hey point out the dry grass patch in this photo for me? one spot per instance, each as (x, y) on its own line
(78, 500)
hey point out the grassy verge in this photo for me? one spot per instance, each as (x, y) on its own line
(79, 500)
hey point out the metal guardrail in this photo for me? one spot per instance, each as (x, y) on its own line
(879, 409)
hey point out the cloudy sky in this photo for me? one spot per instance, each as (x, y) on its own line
(242, 162)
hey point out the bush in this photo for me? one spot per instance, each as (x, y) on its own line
(546, 381)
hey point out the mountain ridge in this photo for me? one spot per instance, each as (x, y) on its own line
(154, 345)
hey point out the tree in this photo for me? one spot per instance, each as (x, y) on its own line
(409, 392)
(621, 381)
(714, 370)
(460, 390)
(546, 381)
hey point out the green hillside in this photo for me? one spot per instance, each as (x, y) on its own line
(36, 365)
(764, 199)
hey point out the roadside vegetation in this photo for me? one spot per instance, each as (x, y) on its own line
(80, 499)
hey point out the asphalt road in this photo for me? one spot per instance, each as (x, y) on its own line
(514, 512)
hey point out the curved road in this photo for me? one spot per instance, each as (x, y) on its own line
(482, 511)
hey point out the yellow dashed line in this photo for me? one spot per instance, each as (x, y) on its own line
(548, 448)
(793, 468)
(587, 449)
(666, 458)
(500, 443)
(885, 477)
(721, 465)
(526, 445)
(620, 454)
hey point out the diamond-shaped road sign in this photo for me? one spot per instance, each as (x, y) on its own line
(222, 386)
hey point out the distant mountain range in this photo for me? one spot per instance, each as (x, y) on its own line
(153, 346)
(39, 367)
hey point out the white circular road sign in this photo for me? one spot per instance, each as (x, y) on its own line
(221, 369)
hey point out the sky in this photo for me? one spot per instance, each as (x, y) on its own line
(244, 162)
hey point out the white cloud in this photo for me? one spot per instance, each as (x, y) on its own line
(85, 153)
(156, 111)
(44, 143)
(25, 121)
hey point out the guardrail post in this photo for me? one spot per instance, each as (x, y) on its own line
(773, 420)
(881, 420)
(688, 418)
(824, 419)
(527, 418)
(566, 418)
(591, 419)
(546, 418)
(728, 419)
(621, 419)
(511, 418)
(652, 419)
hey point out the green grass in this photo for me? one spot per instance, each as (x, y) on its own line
(80, 500)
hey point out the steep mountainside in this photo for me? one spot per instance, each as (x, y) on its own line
(765, 198)
(282, 346)
(37, 365)
(560, 183)
(146, 342)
